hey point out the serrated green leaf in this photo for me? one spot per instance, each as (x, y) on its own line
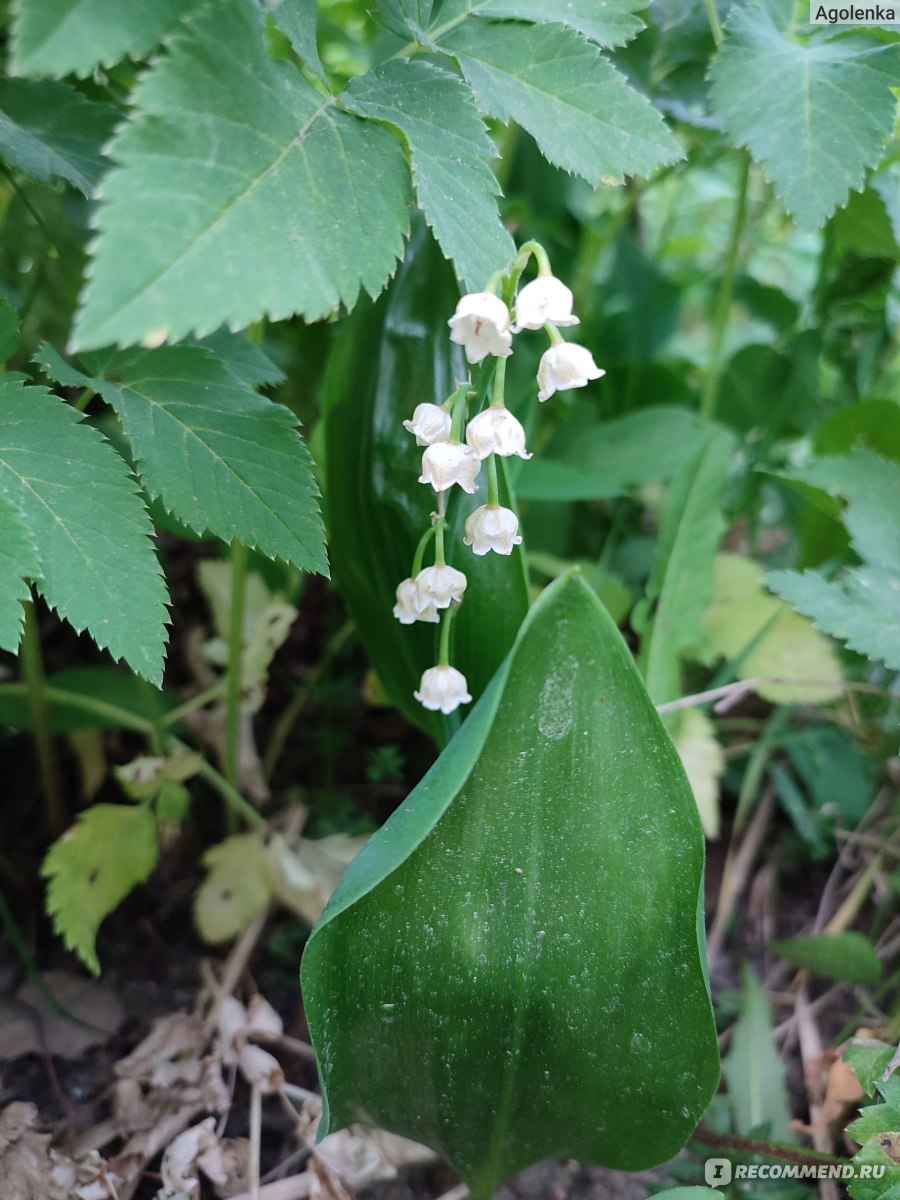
(542, 996)
(404, 17)
(49, 131)
(221, 457)
(19, 561)
(10, 330)
(847, 956)
(861, 609)
(753, 1071)
(63, 37)
(297, 21)
(449, 145)
(247, 361)
(824, 115)
(93, 867)
(609, 23)
(578, 108)
(260, 163)
(885, 1184)
(98, 567)
(869, 1059)
(681, 585)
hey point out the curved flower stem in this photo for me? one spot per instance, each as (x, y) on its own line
(239, 563)
(460, 405)
(498, 399)
(439, 542)
(444, 651)
(722, 313)
(419, 555)
(556, 338)
(493, 484)
(714, 23)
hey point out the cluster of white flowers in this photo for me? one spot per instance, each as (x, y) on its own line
(456, 446)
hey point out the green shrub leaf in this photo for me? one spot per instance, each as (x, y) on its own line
(222, 458)
(847, 956)
(19, 561)
(824, 115)
(93, 867)
(98, 567)
(753, 1070)
(609, 23)
(269, 162)
(449, 145)
(545, 995)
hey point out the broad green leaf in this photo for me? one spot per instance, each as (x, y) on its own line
(247, 361)
(753, 1071)
(221, 457)
(824, 115)
(19, 561)
(847, 956)
(681, 585)
(63, 37)
(390, 357)
(404, 17)
(861, 609)
(93, 867)
(766, 640)
(607, 459)
(49, 131)
(223, 208)
(98, 567)
(609, 23)
(297, 21)
(578, 108)
(545, 995)
(878, 1128)
(449, 146)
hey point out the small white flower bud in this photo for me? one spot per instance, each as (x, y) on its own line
(481, 325)
(496, 431)
(446, 463)
(438, 587)
(545, 299)
(565, 366)
(492, 527)
(407, 610)
(443, 689)
(430, 423)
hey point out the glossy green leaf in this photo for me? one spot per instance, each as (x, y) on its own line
(847, 956)
(48, 131)
(62, 37)
(835, 90)
(98, 566)
(260, 163)
(681, 585)
(390, 357)
(450, 149)
(609, 23)
(221, 457)
(515, 955)
(575, 104)
(753, 1071)
(19, 562)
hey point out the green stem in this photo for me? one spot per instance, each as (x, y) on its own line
(460, 404)
(232, 797)
(84, 399)
(439, 560)
(33, 212)
(39, 709)
(498, 397)
(101, 708)
(714, 23)
(239, 563)
(556, 338)
(419, 555)
(493, 484)
(444, 651)
(722, 313)
(174, 715)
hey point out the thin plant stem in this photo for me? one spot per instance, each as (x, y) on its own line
(722, 312)
(714, 23)
(419, 555)
(32, 211)
(232, 797)
(499, 383)
(234, 681)
(39, 709)
(493, 483)
(439, 525)
(444, 652)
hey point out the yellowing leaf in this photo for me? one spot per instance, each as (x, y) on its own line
(701, 756)
(237, 889)
(93, 867)
(306, 876)
(768, 640)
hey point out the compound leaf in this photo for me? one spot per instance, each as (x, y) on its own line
(221, 457)
(19, 561)
(49, 131)
(579, 109)
(98, 567)
(297, 20)
(545, 995)
(223, 207)
(93, 867)
(609, 23)
(824, 115)
(449, 146)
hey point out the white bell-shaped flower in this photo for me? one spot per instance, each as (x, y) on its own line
(407, 610)
(565, 366)
(438, 587)
(496, 431)
(492, 527)
(443, 689)
(430, 423)
(446, 463)
(545, 299)
(481, 325)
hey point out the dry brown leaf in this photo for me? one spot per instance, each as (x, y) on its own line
(179, 1169)
(171, 1036)
(24, 1158)
(261, 1069)
(227, 1165)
